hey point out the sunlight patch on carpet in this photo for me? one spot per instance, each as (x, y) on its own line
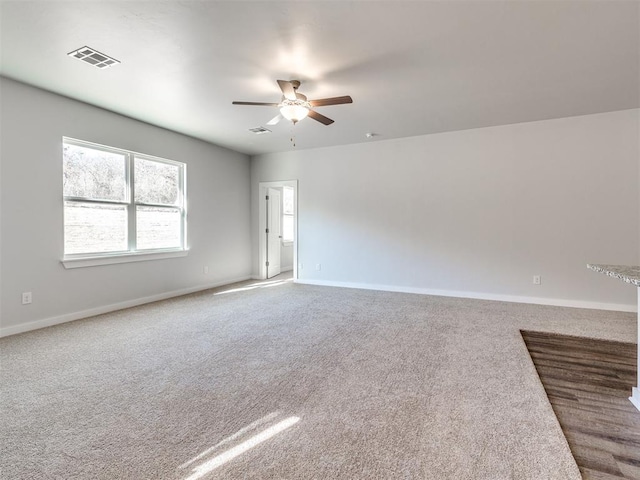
(254, 286)
(219, 460)
(231, 438)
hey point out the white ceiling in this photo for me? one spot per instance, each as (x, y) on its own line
(412, 67)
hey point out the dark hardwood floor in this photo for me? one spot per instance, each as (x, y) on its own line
(588, 383)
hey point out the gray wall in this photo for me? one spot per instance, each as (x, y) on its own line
(33, 124)
(472, 213)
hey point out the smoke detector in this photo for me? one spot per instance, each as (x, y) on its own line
(93, 57)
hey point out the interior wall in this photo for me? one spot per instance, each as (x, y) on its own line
(218, 206)
(473, 213)
(286, 258)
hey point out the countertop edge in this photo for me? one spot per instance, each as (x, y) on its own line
(627, 273)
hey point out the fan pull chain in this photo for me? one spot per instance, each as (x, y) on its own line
(293, 136)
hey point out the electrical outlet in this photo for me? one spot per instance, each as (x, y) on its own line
(537, 280)
(318, 266)
(205, 269)
(26, 298)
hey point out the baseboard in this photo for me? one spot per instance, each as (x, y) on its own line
(70, 317)
(556, 302)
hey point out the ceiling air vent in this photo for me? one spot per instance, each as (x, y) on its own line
(260, 130)
(93, 57)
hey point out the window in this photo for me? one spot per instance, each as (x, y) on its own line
(119, 203)
(287, 214)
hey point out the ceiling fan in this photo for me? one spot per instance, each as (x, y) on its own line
(294, 106)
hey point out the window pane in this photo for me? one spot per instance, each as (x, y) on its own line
(91, 228)
(94, 174)
(158, 227)
(287, 200)
(156, 182)
(287, 228)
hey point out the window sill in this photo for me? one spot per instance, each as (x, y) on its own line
(92, 261)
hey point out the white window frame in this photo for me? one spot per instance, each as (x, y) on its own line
(132, 254)
(287, 243)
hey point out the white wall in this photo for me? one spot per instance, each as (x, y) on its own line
(33, 124)
(473, 213)
(286, 258)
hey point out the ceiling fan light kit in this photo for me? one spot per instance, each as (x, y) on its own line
(294, 110)
(294, 106)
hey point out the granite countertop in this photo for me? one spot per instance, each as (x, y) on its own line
(626, 273)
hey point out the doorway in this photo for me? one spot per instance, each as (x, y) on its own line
(274, 231)
(278, 228)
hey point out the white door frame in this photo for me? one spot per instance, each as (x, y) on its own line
(262, 224)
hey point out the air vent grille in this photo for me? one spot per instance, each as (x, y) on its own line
(93, 57)
(260, 130)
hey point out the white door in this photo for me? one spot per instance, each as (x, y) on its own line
(274, 217)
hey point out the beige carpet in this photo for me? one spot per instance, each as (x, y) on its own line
(290, 381)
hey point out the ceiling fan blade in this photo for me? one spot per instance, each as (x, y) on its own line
(287, 89)
(256, 103)
(323, 102)
(275, 120)
(320, 118)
